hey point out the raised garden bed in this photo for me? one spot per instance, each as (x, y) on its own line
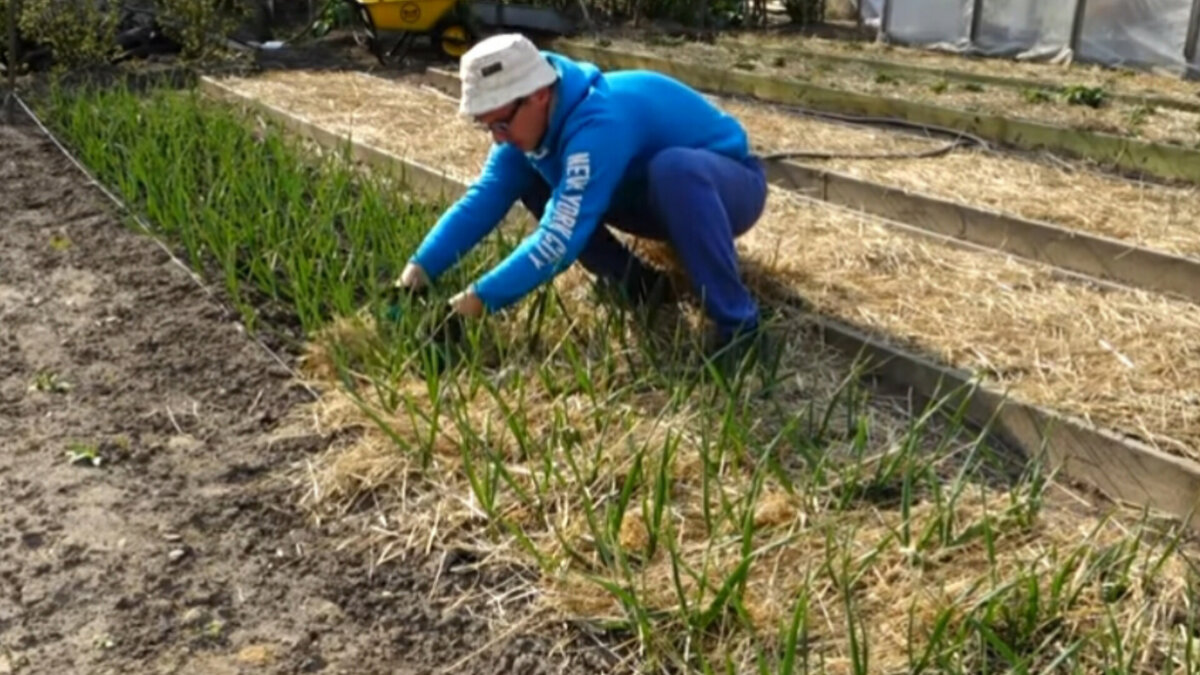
(642, 515)
(1024, 129)
(1137, 86)
(926, 297)
(1081, 251)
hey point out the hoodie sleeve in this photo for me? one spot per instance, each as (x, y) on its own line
(594, 162)
(505, 176)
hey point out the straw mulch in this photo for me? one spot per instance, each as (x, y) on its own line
(1122, 359)
(1146, 214)
(422, 509)
(775, 129)
(409, 121)
(1114, 117)
(389, 505)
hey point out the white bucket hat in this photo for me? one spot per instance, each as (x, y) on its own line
(499, 70)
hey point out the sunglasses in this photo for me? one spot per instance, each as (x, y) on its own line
(502, 126)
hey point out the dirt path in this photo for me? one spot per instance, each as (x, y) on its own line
(179, 553)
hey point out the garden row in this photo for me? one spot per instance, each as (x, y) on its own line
(1075, 222)
(1076, 122)
(1042, 304)
(710, 525)
(823, 57)
(400, 126)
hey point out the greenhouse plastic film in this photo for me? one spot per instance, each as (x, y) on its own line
(1135, 32)
(936, 23)
(1027, 29)
(871, 12)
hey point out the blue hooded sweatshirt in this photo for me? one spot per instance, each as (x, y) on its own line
(603, 131)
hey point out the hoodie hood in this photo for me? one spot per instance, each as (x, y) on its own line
(575, 82)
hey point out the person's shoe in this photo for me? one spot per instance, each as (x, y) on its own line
(734, 354)
(652, 290)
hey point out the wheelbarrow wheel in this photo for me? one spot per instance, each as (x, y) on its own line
(454, 39)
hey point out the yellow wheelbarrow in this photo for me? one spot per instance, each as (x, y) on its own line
(394, 25)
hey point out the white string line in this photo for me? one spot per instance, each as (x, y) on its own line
(150, 233)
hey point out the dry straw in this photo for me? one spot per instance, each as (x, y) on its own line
(411, 122)
(1146, 214)
(903, 591)
(1125, 360)
(408, 495)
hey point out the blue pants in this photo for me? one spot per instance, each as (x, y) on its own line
(698, 201)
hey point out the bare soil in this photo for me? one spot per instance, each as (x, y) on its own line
(181, 551)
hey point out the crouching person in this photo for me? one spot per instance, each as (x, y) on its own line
(583, 150)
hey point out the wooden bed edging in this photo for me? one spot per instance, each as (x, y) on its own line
(1130, 155)
(1091, 255)
(1124, 470)
(891, 67)
(1084, 253)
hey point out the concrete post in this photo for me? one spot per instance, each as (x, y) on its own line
(1077, 26)
(1193, 34)
(976, 21)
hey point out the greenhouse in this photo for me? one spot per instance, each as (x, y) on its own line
(1157, 34)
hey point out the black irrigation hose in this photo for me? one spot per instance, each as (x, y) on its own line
(961, 138)
(919, 154)
(150, 233)
(897, 122)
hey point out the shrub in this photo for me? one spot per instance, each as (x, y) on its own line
(805, 12)
(200, 26)
(77, 32)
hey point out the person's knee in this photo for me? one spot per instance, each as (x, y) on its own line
(675, 165)
(677, 176)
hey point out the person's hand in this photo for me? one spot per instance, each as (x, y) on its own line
(412, 285)
(412, 278)
(467, 304)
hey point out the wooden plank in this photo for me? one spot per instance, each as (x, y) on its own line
(446, 80)
(1125, 154)
(1082, 253)
(1123, 469)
